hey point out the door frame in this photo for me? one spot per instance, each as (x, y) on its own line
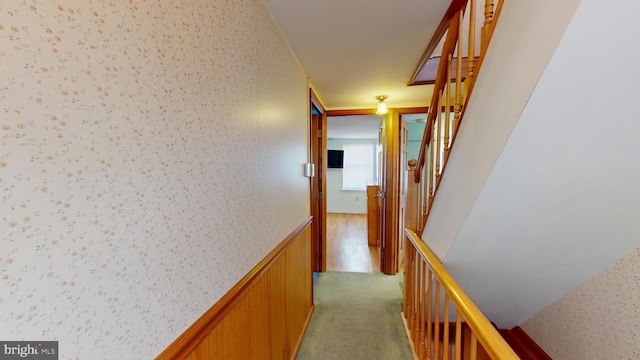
(396, 172)
(354, 112)
(391, 141)
(318, 199)
(393, 186)
(389, 188)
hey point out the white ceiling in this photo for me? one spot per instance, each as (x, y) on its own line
(354, 50)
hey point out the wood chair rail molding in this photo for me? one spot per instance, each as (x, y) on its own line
(192, 338)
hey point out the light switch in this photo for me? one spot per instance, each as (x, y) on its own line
(309, 170)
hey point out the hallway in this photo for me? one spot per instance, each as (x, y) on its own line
(357, 311)
(356, 316)
(347, 248)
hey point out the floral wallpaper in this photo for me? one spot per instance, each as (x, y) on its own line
(151, 154)
(600, 319)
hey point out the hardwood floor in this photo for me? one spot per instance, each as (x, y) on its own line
(347, 248)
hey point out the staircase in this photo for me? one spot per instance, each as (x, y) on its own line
(523, 345)
(534, 194)
(432, 328)
(442, 322)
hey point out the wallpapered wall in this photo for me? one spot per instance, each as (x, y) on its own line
(597, 320)
(151, 154)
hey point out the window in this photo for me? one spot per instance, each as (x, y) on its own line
(359, 166)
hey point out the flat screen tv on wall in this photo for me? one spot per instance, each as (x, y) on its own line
(335, 159)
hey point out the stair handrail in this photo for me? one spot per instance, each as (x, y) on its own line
(418, 301)
(443, 105)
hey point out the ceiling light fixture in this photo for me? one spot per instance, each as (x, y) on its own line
(382, 107)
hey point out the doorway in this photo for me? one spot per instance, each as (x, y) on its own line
(394, 140)
(353, 138)
(318, 145)
(391, 181)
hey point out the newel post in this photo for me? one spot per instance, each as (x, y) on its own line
(413, 194)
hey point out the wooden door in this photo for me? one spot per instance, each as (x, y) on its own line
(380, 199)
(372, 215)
(390, 156)
(318, 146)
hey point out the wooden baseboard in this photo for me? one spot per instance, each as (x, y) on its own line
(414, 351)
(294, 355)
(263, 316)
(523, 344)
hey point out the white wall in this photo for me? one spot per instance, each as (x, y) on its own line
(150, 155)
(344, 201)
(516, 45)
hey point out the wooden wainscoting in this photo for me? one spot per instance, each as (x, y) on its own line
(263, 316)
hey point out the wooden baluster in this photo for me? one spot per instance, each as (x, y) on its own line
(447, 110)
(423, 345)
(429, 314)
(420, 313)
(457, 107)
(488, 17)
(446, 344)
(415, 315)
(423, 195)
(425, 176)
(438, 126)
(416, 296)
(418, 205)
(458, 350)
(408, 284)
(408, 281)
(432, 179)
(411, 216)
(424, 183)
(415, 325)
(471, 59)
(421, 204)
(423, 190)
(441, 135)
(436, 323)
(473, 349)
(415, 283)
(432, 166)
(411, 289)
(414, 255)
(416, 299)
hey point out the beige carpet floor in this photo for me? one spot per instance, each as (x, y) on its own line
(356, 316)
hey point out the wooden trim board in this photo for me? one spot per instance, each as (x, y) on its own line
(277, 292)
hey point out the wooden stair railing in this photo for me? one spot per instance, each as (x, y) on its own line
(432, 298)
(451, 93)
(441, 320)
